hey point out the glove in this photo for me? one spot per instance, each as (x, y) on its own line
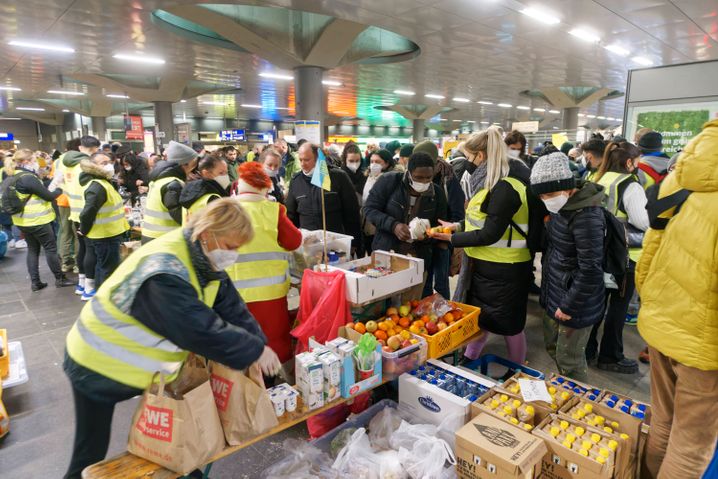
(269, 362)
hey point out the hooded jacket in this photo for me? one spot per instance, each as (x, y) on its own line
(171, 191)
(95, 195)
(73, 158)
(194, 190)
(677, 276)
(455, 197)
(572, 266)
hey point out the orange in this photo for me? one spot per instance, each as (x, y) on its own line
(395, 319)
(383, 326)
(392, 311)
(447, 230)
(424, 319)
(349, 325)
(415, 329)
(458, 314)
(390, 322)
(381, 335)
(398, 329)
(360, 328)
(448, 317)
(418, 323)
(404, 322)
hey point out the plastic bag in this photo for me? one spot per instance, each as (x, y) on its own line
(382, 426)
(358, 461)
(448, 427)
(304, 461)
(427, 458)
(434, 304)
(417, 228)
(407, 435)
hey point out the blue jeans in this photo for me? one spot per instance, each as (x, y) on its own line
(438, 274)
(107, 253)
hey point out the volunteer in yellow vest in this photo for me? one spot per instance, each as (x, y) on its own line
(213, 185)
(626, 200)
(163, 212)
(71, 184)
(261, 273)
(495, 238)
(35, 220)
(169, 298)
(67, 243)
(102, 219)
(653, 164)
(593, 154)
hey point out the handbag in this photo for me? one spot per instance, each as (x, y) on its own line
(634, 236)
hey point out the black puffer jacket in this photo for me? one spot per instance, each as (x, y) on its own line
(194, 190)
(388, 205)
(572, 272)
(171, 191)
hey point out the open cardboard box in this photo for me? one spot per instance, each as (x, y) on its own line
(406, 273)
(609, 393)
(541, 412)
(509, 384)
(487, 447)
(350, 387)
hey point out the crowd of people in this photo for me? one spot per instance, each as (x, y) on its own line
(587, 210)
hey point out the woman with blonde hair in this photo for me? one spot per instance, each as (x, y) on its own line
(494, 236)
(13, 232)
(167, 299)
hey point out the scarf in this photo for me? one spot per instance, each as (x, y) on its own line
(478, 178)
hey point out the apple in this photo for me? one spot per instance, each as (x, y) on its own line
(433, 318)
(432, 328)
(394, 342)
(371, 326)
(405, 344)
(404, 310)
(442, 325)
(382, 342)
(387, 349)
(391, 311)
(423, 331)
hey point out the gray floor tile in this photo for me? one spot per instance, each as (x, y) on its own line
(20, 325)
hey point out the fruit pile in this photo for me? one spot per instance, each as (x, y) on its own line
(438, 229)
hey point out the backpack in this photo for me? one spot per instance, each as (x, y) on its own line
(657, 177)
(10, 202)
(657, 206)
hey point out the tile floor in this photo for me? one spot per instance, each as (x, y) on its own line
(41, 411)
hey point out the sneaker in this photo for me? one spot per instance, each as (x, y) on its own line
(644, 357)
(632, 319)
(66, 268)
(79, 290)
(76, 270)
(87, 295)
(11, 243)
(624, 366)
(63, 282)
(38, 286)
(20, 244)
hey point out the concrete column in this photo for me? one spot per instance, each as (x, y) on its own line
(570, 118)
(418, 133)
(164, 119)
(310, 95)
(99, 127)
(59, 138)
(252, 126)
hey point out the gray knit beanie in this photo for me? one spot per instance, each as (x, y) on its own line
(551, 173)
(179, 153)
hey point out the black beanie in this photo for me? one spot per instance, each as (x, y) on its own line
(386, 156)
(651, 141)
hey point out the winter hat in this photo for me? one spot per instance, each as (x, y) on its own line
(552, 173)
(392, 146)
(406, 150)
(179, 153)
(252, 178)
(123, 150)
(651, 141)
(385, 155)
(566, 147)
(428, 147)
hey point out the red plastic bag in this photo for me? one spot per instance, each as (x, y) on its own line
(323, 307)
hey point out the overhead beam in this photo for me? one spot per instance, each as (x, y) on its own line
(333, 43)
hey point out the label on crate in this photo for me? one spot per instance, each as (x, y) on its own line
(534, 390)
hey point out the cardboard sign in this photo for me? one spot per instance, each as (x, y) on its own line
(534, 390)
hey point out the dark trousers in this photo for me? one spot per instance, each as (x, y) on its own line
(107, 256)
(38, 237)
(438, 277)
(611, 349)
(82, 264)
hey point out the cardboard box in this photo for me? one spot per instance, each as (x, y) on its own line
(578, 388)
(541, 412)
(350, 387)
(487, 447)
(509, 386)
(432, 404)
(563, 463)
(361, 289)
(128, 247)
(608, 393)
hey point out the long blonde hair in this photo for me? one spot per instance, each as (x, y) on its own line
(491, 143)
(223, 217)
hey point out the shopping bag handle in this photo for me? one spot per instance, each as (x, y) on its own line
(161, 388)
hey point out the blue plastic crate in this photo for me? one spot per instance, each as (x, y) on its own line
(482, 365)
(358, 420)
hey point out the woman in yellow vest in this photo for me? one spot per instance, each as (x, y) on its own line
(626, 200)
(35, 220)
(169, 298)
(495, 238)
(213, 185)
(102, 220)
(261, 273)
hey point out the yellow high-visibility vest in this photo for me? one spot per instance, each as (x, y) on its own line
(110, 220)
(107, 340)
(157, 218)
(512, 247)
(201, 202)
(261, 272)
(73, 190)
(610, 182)
(37, 212)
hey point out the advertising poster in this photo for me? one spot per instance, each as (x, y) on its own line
(133, 127)
(308, 130)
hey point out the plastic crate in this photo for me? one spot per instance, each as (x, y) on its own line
(445, 341)
(359, 420)
(482, 365)
(5, 357)
(307, 256)
(396, 363)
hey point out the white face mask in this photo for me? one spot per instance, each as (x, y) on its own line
(270, 172)
(128, 168)
(353, 167)
(223, 258)
(308, 173)
(375, 169)
(515, 154)
(223, 181)
(109, 168)
(555, 204)
(419, 187)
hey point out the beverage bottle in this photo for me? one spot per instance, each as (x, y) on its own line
(526, 413)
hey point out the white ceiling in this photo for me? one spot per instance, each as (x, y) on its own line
(476, 49)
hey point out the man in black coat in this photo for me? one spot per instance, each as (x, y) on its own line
(304, 201)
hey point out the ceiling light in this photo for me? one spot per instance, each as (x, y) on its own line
(461, 100)
(581, 115)
(404, 92)
(435, 96)
(484, 122)
(284, 108)
(41, 46)
(591, 116)
(139, 58)
(505, 105)
(66, 92)
(456, 121)
(542, 16)
(617, 49)
(115, 95)
(554, 112)
(610, 118)
(214, 118)
(276, 76)
(470, 121)
(65, 110)
(29, 108)
(585, 35)
(331, 83)
(249, 105)
(9, 88)
(215, 103)
(600, 117)
(643, 61)
(620, 120)
(183, 101)
(482, 102)
(540, 110)
(9, 118)
(522, 107)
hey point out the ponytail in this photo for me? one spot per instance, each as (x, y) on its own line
(491, 143)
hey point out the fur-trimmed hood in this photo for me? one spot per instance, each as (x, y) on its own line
(91, 171)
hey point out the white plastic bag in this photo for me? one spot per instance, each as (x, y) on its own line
(303, 461)
(407, 434)
(354, 460)
(382, 426)
(417, 228)
(427, 458)
(448, 427)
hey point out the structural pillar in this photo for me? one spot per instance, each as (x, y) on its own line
(59, 138)
(570, 118)
(309, 94)
(100, 128)
(164, 123)
(418, 130)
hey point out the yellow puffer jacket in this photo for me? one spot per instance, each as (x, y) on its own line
(677, 276)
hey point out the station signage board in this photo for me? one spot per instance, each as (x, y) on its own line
(133, 128)
(232, 135)
(6, 136)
